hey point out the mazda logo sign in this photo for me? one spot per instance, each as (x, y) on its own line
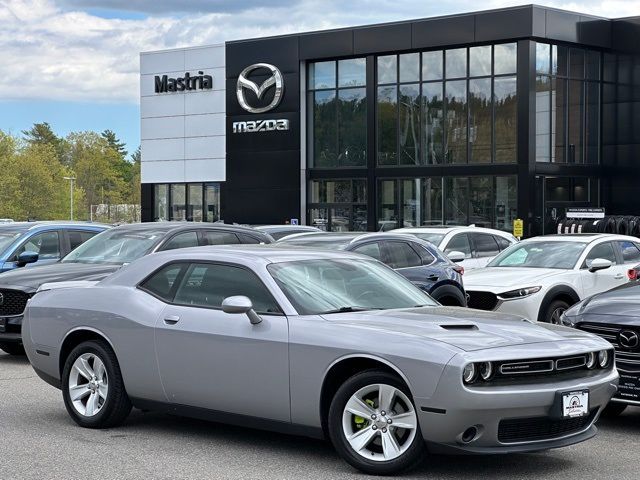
(628, 339)
(244, 84)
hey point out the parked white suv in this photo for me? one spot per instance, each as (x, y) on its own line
(479, 245)
(541, 277)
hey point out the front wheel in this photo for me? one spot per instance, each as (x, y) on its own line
(554, 312)
(373, 424)
(92, 386)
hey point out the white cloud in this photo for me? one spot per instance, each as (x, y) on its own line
(51, 52)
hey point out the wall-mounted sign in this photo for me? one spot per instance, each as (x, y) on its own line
(585, 213)
(165, 84)
(518, 228)
(244, 83)
(251, 126)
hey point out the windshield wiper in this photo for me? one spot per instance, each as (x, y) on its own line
(349, 309)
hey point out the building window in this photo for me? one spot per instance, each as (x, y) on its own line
(487, 201)
(567, 104)
(338, 113)
(194, 202)
(447, 106)
(338, 205)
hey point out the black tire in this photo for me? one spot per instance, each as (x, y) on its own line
(613, 409)
(117, 405)
(410, 459)
(554, 310)
(12, 348)
(449, 295)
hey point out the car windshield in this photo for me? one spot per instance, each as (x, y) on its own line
(7, 238)
(434, 238)
(342, 285)
(542, 254)
(115, 247)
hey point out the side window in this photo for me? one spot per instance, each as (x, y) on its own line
(182, 240)
(161, 283)
(425, 255)
(485, 244)
(604, 250)
(77, 238)
(212, 237)
(45, 244)
(630, 251)
(248, 239)
(370, 249)
(459, 243)
(503, 243)
(207, 285)
(401, 255)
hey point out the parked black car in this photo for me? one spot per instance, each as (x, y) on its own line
(102, 255)
(615, 316)
(418, 260)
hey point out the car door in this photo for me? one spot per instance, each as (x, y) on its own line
(220, 361)
(46, 244)
(460, 243)
(484, 248)
(403, 258)
(601, 280)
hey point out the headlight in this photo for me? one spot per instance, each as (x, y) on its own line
(469, 373)
(591, 360)
(519, 293)
(603, 358)
(486, 370)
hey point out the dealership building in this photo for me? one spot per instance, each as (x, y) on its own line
(478, 118)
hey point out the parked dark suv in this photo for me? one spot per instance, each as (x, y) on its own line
(418, 260)
(615, 316)
(102, 255)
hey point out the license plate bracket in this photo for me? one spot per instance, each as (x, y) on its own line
(573, 404)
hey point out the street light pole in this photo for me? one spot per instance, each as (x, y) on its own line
(71, 180)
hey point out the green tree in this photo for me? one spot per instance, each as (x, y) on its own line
(114, 142)
(42, 134)
(8, 180)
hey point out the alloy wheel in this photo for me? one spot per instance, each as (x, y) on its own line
(555, 316)
(379, 422)
(88, 385)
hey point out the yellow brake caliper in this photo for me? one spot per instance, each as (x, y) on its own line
(362, 422)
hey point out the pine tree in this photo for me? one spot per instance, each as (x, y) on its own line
(114, 142)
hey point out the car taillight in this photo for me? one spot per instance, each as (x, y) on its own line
(458, 269)
(632, 273)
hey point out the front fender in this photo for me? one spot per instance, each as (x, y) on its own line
(552, 294)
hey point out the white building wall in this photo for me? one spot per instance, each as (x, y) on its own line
(183, 133)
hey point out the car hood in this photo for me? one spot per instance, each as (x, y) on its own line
(462, 328)
(623, 301)
(508, 277)
(29, 279)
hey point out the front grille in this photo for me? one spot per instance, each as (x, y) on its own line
(627, 360)
(541, 428)
(482, 300)
(12, 302)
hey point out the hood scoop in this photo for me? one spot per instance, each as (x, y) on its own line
(459, 326)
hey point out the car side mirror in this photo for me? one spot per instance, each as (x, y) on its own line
(241, 304)
(599, 264)
(456, 256)
(27, 257)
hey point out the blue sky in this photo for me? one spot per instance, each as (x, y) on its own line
(75, 63)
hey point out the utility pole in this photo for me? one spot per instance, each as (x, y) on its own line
(71, 180)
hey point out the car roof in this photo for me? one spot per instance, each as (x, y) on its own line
(446, 229)
(284, 228)
(27, 226)
(175, 226)
(346, 237)
(581, 237)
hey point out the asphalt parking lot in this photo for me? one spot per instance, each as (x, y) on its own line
(39, 441)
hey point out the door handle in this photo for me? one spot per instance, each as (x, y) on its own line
(172, 319)
(619, 276)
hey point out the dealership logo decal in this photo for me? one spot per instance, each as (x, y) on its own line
(260, 126)
(628, 339)
(244, 84)
(165, 84)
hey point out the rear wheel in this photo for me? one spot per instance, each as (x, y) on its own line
(12, 348)
(555, 311)
(613, 409)
(92, 386)
(373, 424)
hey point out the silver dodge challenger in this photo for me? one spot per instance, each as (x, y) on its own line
(326, 344)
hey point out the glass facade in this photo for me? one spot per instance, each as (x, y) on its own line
(486, 201)
(568, 84)
(338, 205)
(337, 117)
(451, 106)
(194, 202)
